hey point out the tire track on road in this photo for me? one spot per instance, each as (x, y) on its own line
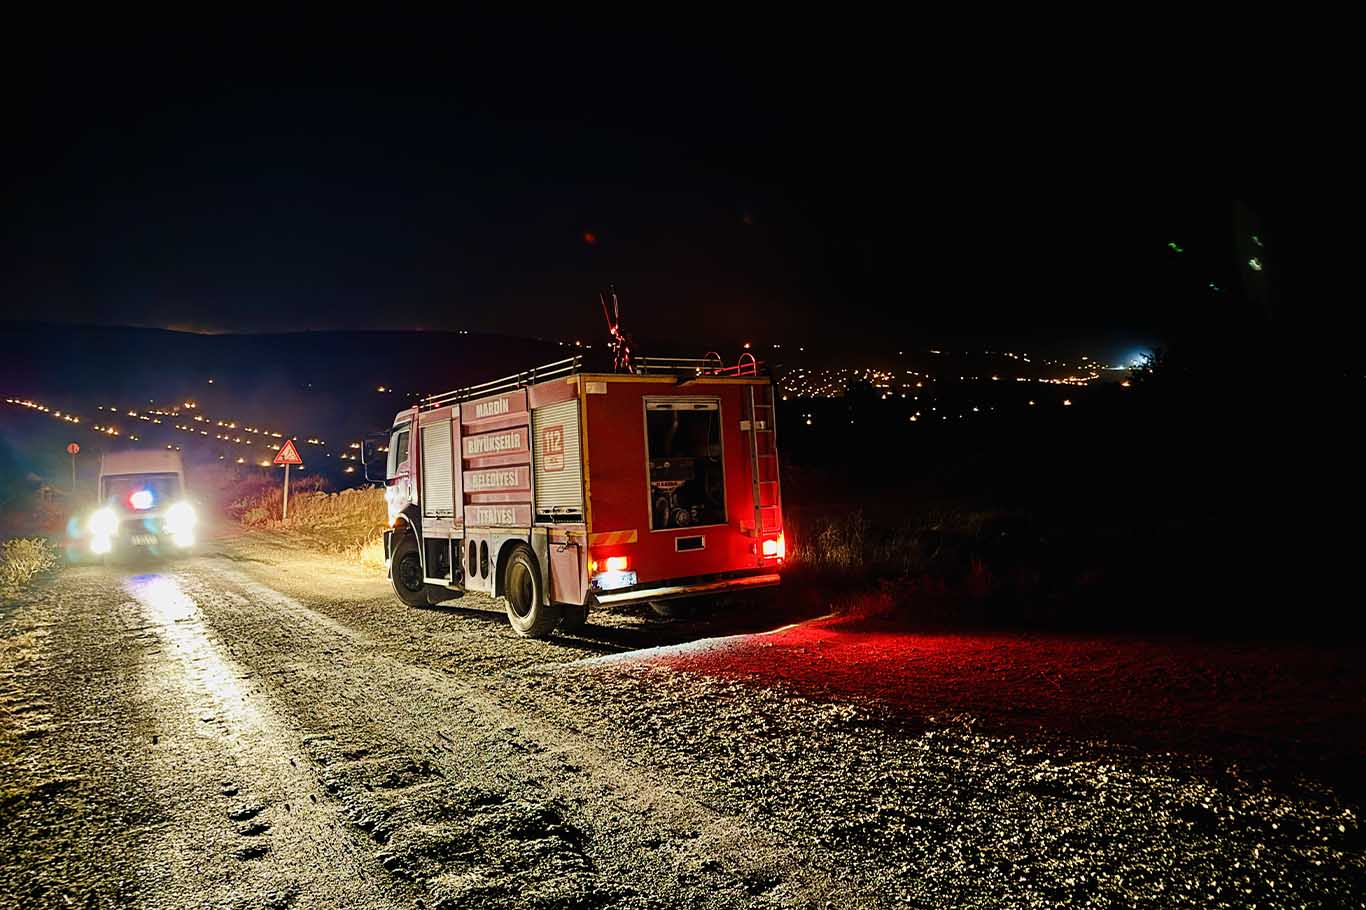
(79, 812)
(248, 828)
(490, 803)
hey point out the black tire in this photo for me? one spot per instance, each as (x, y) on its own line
(575, 617)
(522, 588)
(405, 572)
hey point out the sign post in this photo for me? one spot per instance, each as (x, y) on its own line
(288, 455)
(72, 449)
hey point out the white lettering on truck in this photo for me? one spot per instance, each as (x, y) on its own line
(492, 408)
(494, 442)
(497, 480)
(491, 515)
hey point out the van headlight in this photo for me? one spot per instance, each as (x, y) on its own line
(180, 519)
(104, 523)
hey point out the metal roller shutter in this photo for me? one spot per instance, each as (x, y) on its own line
(557, 479)
(438, 487)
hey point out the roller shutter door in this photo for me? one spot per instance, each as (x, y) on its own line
(557, 465)
(438, 473)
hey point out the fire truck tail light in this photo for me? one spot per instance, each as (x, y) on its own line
(611, 573)
(610, 564)
(775, 548)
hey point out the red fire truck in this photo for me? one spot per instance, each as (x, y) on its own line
(562, 489)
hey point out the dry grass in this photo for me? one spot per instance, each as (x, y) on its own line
(371, 553)
(975, 554)
(22, 559)
(257, 501)
(847, 543)
(350, 522)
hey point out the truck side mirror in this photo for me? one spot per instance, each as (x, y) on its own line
(366, 452)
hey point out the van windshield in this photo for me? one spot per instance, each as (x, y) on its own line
(132, 491)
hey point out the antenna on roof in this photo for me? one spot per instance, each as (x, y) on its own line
(621, 342)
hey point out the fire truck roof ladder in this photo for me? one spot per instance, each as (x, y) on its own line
(763, 460)
(711, 365)
(566, 367)
(683, 367)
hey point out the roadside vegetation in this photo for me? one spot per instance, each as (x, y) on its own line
(1187, 502)
(950, 561)
(23, 559)
(350, 522)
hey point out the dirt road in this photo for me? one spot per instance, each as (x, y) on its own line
(257, 727)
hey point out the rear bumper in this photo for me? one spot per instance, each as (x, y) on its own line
(670, 590)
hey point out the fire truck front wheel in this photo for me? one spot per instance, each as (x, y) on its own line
(522, 587)
(405, 571)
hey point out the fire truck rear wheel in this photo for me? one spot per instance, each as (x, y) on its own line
(405, 571)
(522, 588)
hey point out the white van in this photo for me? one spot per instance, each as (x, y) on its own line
(143, 504)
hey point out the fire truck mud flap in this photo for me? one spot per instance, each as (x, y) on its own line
(668, 592)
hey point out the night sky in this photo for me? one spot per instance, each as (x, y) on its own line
(832, 185)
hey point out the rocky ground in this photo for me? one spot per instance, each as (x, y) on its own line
(259, 727)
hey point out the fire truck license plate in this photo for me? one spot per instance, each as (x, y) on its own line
(143, 540)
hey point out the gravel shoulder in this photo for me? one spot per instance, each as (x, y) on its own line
(259, 726)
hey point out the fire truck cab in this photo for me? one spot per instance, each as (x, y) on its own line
(562, 490)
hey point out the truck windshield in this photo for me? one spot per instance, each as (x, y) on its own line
(141, 491)
(398, 453)
(687, 485)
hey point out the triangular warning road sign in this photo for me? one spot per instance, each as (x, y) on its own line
(288, 454)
